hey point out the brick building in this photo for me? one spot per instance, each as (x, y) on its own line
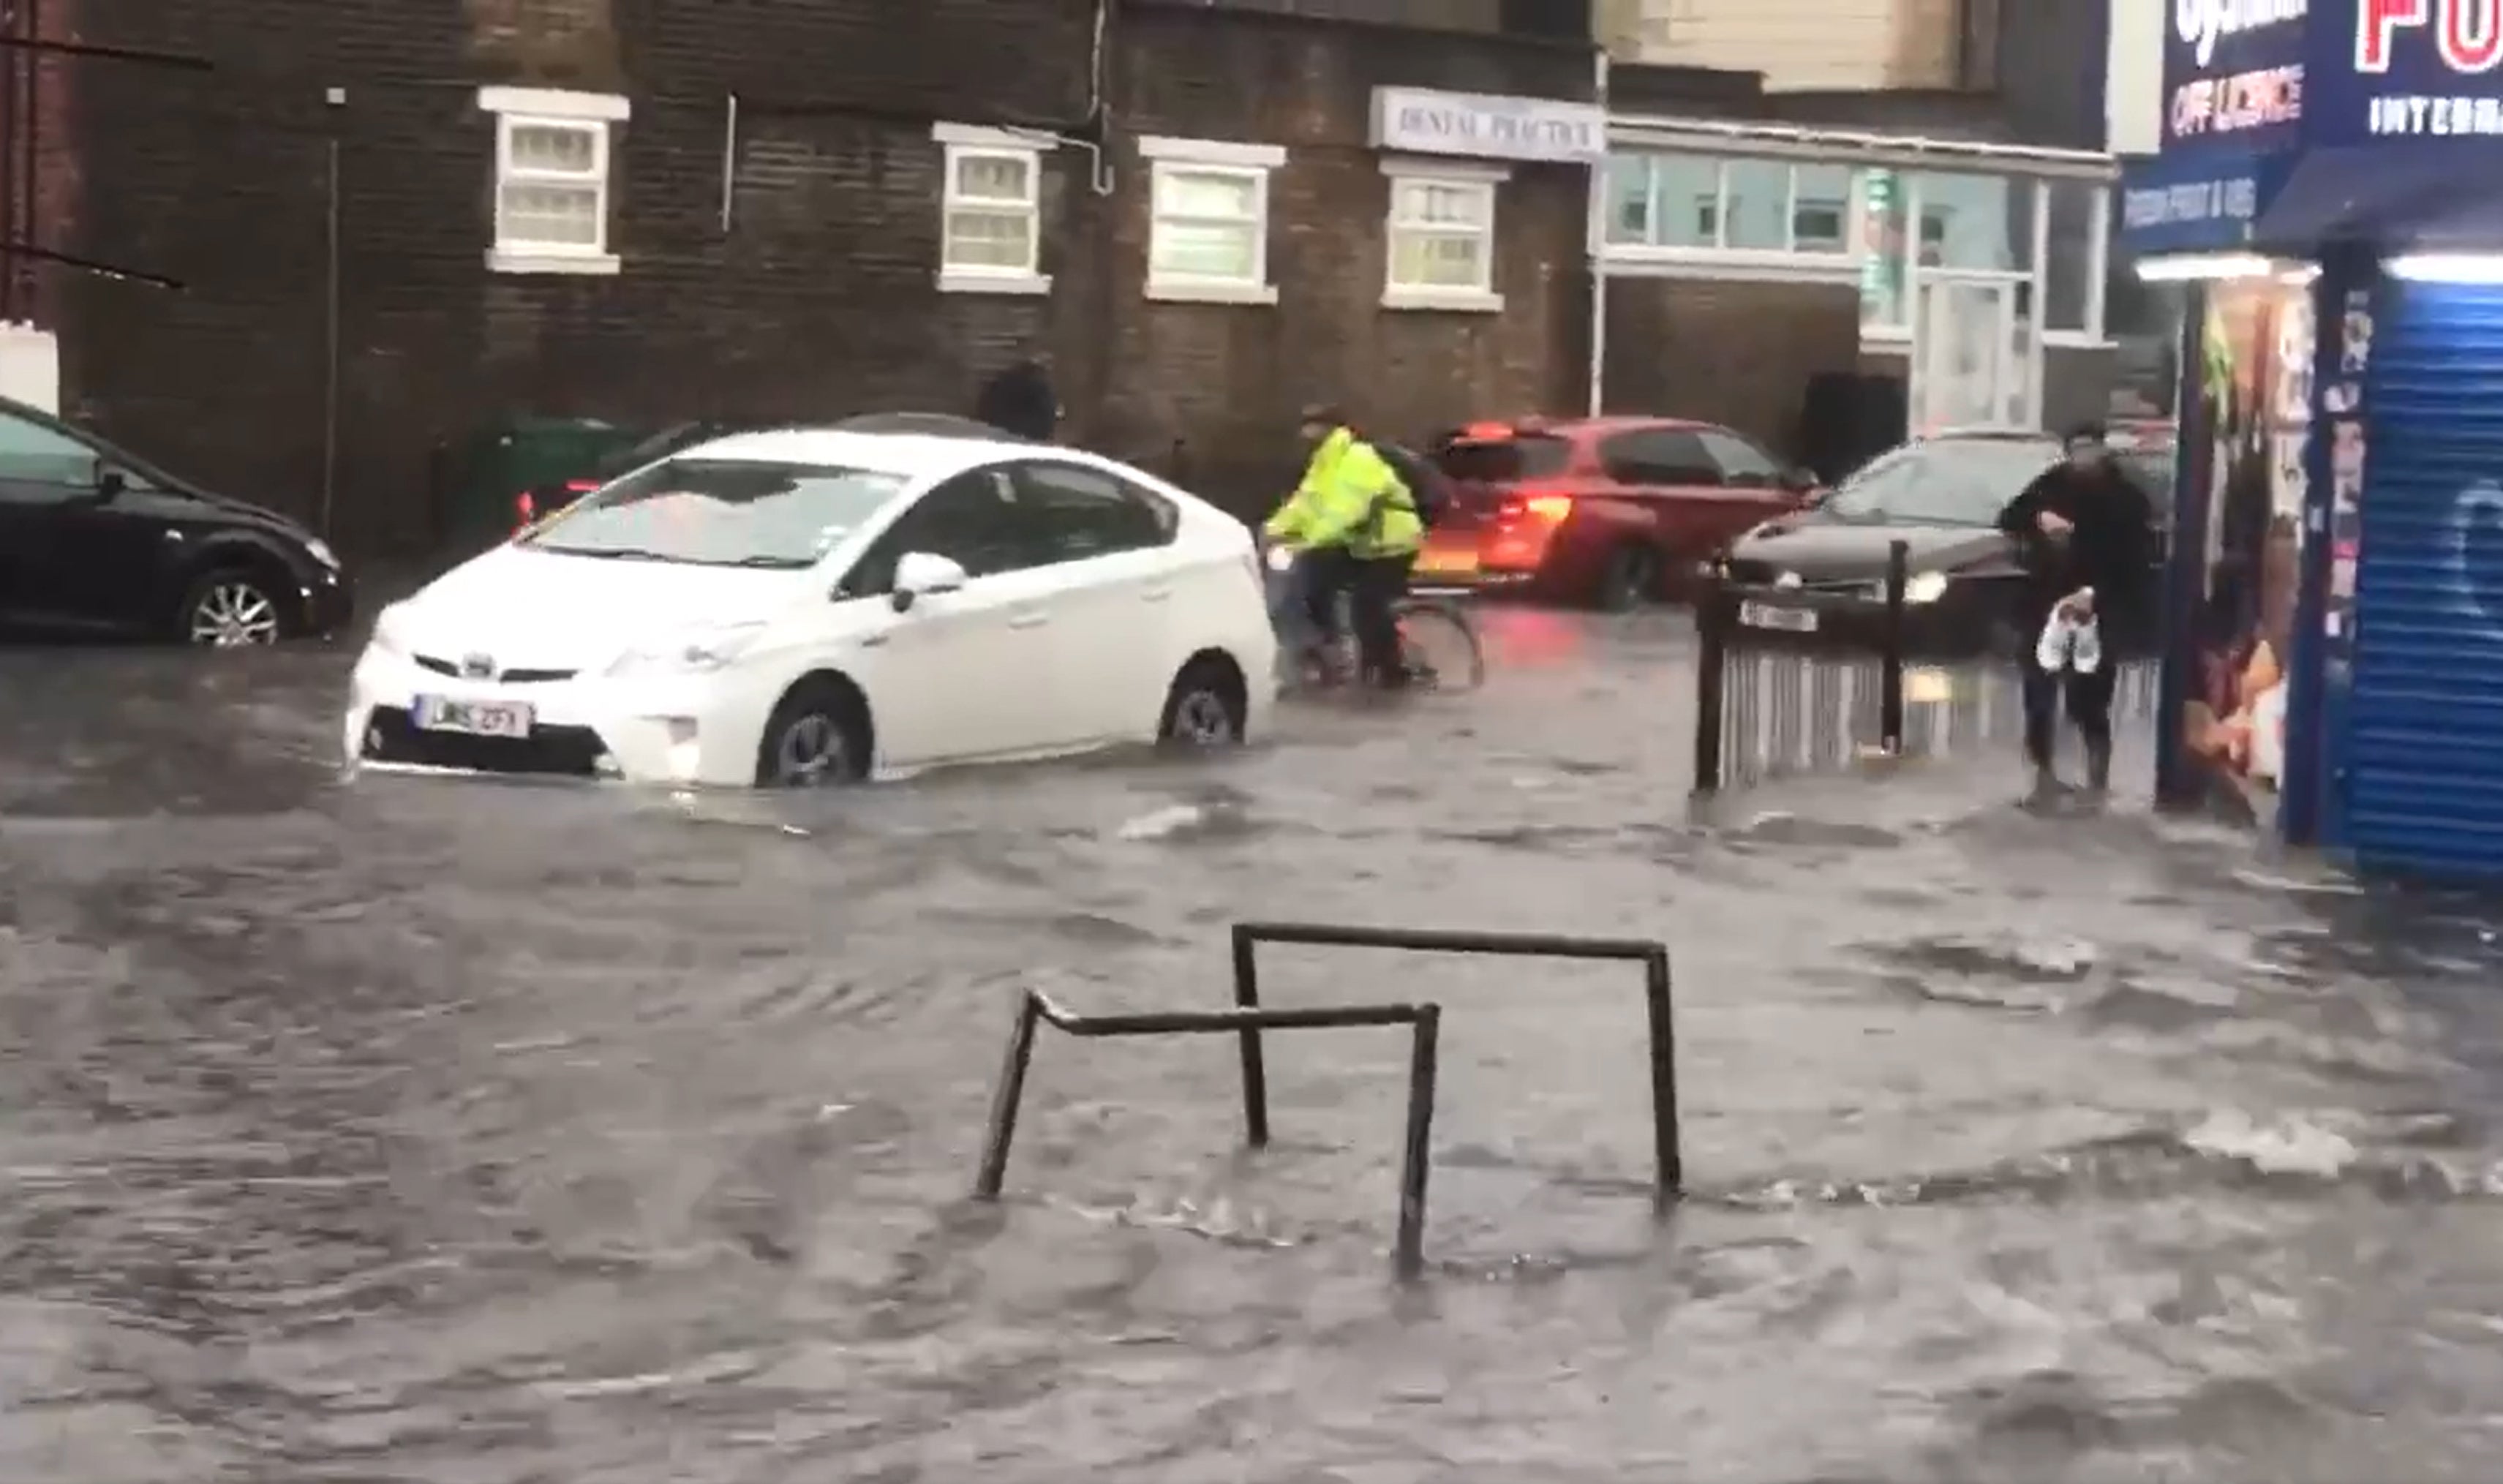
(392, 225)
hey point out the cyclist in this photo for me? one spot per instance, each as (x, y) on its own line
(1357, 528)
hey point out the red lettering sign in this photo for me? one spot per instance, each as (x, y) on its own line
(2376, 24)
(2467, 34)
(2470, 40)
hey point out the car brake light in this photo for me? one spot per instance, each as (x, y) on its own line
(1550, 509)
(1485, 432)
(526, 507)
(581, 486)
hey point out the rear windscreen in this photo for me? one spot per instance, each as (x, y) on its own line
(1504, 460)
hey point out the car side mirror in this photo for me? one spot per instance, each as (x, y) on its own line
(920, 573)
(110, 482)
(1799, 481)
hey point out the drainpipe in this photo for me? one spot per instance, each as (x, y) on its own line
(1596, 226)
(12, 229)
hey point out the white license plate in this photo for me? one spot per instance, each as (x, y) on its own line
(1764, 615)
(471, 718)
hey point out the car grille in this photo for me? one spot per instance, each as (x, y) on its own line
(1766, 574)
(548, 751)
(443, 666)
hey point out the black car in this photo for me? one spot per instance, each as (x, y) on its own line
(539, 501)
(1821, 576)
(94, 538)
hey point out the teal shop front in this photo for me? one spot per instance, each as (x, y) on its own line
(2331, 188)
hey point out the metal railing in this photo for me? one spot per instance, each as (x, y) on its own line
(1249, 1019)
(1769, 705)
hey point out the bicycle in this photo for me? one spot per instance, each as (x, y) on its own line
(1438, 641)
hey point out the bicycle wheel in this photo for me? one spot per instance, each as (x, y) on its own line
(1441, 645)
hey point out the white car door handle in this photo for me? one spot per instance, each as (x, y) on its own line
(1157, 594)
(1029, 620)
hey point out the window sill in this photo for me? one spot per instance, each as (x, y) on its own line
(1731, 264)
(1442, 301)
(1170, 293)
(524, 261)
(2076, 340)
(1028, 285)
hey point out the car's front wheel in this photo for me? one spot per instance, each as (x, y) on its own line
(1207, 707)
(233, 608)
(818, 738)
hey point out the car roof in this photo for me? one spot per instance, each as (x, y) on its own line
(1989, 434)
(1584, 426)
(915, 456)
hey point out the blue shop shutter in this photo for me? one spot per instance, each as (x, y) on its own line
(2425, 755)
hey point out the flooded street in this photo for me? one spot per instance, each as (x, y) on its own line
(454, 1132)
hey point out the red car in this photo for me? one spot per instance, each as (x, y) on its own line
(1608, 512)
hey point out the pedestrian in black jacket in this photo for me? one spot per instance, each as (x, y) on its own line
(1020, 401)
(2084, 535)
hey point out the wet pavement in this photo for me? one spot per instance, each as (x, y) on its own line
(405, 1129)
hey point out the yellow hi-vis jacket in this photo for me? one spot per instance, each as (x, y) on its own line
(1349, 498)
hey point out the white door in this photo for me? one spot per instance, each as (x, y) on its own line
(958, 677)
(1112, 631)
(1971, 356)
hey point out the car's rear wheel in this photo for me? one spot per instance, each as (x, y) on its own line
(1208, 705)
(234, 608)
(818, 738)
(1628, 580)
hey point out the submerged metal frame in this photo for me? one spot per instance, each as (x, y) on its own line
(1248, 1019)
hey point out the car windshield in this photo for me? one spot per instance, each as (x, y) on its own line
(1943, 482)
(721, 512)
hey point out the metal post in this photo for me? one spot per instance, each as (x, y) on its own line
(1006, 1098)
(1711, 678)
(1668, 1161)
(1418, 1157)
(1890, 694)
(1256, 1068)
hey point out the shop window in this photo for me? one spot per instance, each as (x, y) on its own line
(1440, 236)
(551, 162)
(1981, 223)
(1208, 237)
(1756, 205)
(1629, 199)
(2076, 217)
(1885, 218)
(1736, 204)
(990, 223)
(1820, 208)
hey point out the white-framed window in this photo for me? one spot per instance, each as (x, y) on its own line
(1208, 228)
(1439, 236)
(990, 211)
(1696, 214)
(553, 157)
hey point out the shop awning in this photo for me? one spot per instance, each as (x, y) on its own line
(2404, 195)
(2205, 204)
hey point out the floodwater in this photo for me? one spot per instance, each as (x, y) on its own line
(454, 1132)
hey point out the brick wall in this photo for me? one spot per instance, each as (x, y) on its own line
(818, 298)
(1727, 350)
(1229, 378)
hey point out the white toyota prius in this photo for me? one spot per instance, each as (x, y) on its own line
(807, 606)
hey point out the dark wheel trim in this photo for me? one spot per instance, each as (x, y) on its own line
(1205, 709)
(816, 738)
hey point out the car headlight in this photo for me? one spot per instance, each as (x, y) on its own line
(1925, 587)
(320, 551)
(689, 654)
(390, 629)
